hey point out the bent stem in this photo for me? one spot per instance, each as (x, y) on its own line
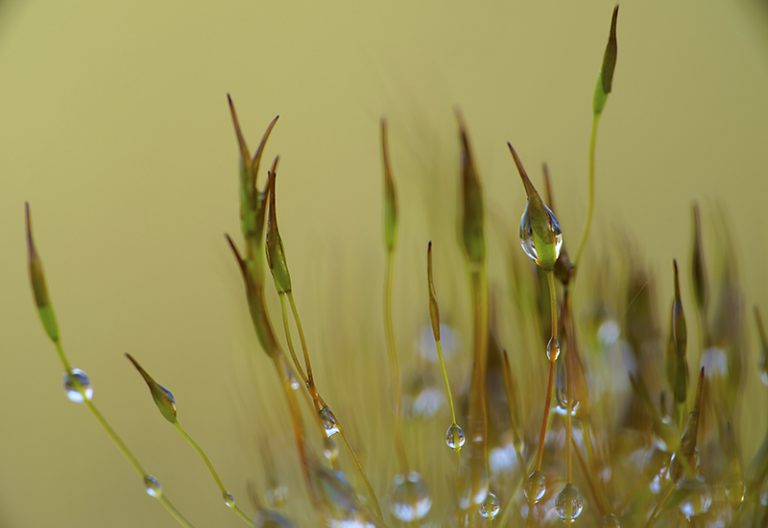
(215, 474)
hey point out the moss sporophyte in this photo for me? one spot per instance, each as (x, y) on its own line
(569, 421)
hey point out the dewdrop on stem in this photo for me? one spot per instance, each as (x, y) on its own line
(569, 504)
(540, 234)
(152, 487)
(454, 437)
(78, 386)
(535, 487)
(410, 497)
(329, 421)
(490, 508)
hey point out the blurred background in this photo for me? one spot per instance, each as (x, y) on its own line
(114, 126)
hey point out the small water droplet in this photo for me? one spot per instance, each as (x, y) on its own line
(528, 240)
(715, 362)
(490, 507)
(553, 347)
(410, 497)
(535, 486)
(735, 490)
(330, 449)
(292, 380)
(329, 421)
(569, 504)
(152, 487)
(229, 499)
(276, 495)
(454, 437)
(611, 521)
(697, 497)
(72, 380)
(665, 435)
(561, 391)
(764, 374)
(608, 332)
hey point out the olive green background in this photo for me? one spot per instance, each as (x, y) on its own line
(114, 126)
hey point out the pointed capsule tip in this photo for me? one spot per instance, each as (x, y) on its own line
(529, 188)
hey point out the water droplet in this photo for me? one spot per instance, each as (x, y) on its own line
(608, 332)
(569, 504)
(553, 347)
(561, 391)
(490, 507)
(454, 437)
(532, 244)
(665, 435)
(410, 497)
(715, 362)
(276, 495)
(73, 393)
(697, 498)
(535, 486)
(330, 449)
(611, 521)
(449, 339)
(426, 402)
(735, 490)
(292, 380)
(229, 499)
(329, 421)
(764, 374)
(152, 487)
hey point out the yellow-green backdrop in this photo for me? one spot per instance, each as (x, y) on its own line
(114, 126)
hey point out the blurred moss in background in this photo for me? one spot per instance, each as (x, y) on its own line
(113, 124)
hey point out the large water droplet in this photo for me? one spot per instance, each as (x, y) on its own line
(569, 504)
(490, 506)
(229, 499)
(71, 381)
(410, 497)
(528, 240)
(553, 347)
(454, 437)
(152, 487)
(697, 499)
(329, 421)
(535, 486)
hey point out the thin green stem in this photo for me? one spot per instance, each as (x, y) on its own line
(121, 446)
(446, 381)
(394, 361)
(302, 337)
(360, 470)
(116, 439)
(552, 361)
(289, 340)
(591, 180)
(309, 382)
(215, 474)
(174, 512)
